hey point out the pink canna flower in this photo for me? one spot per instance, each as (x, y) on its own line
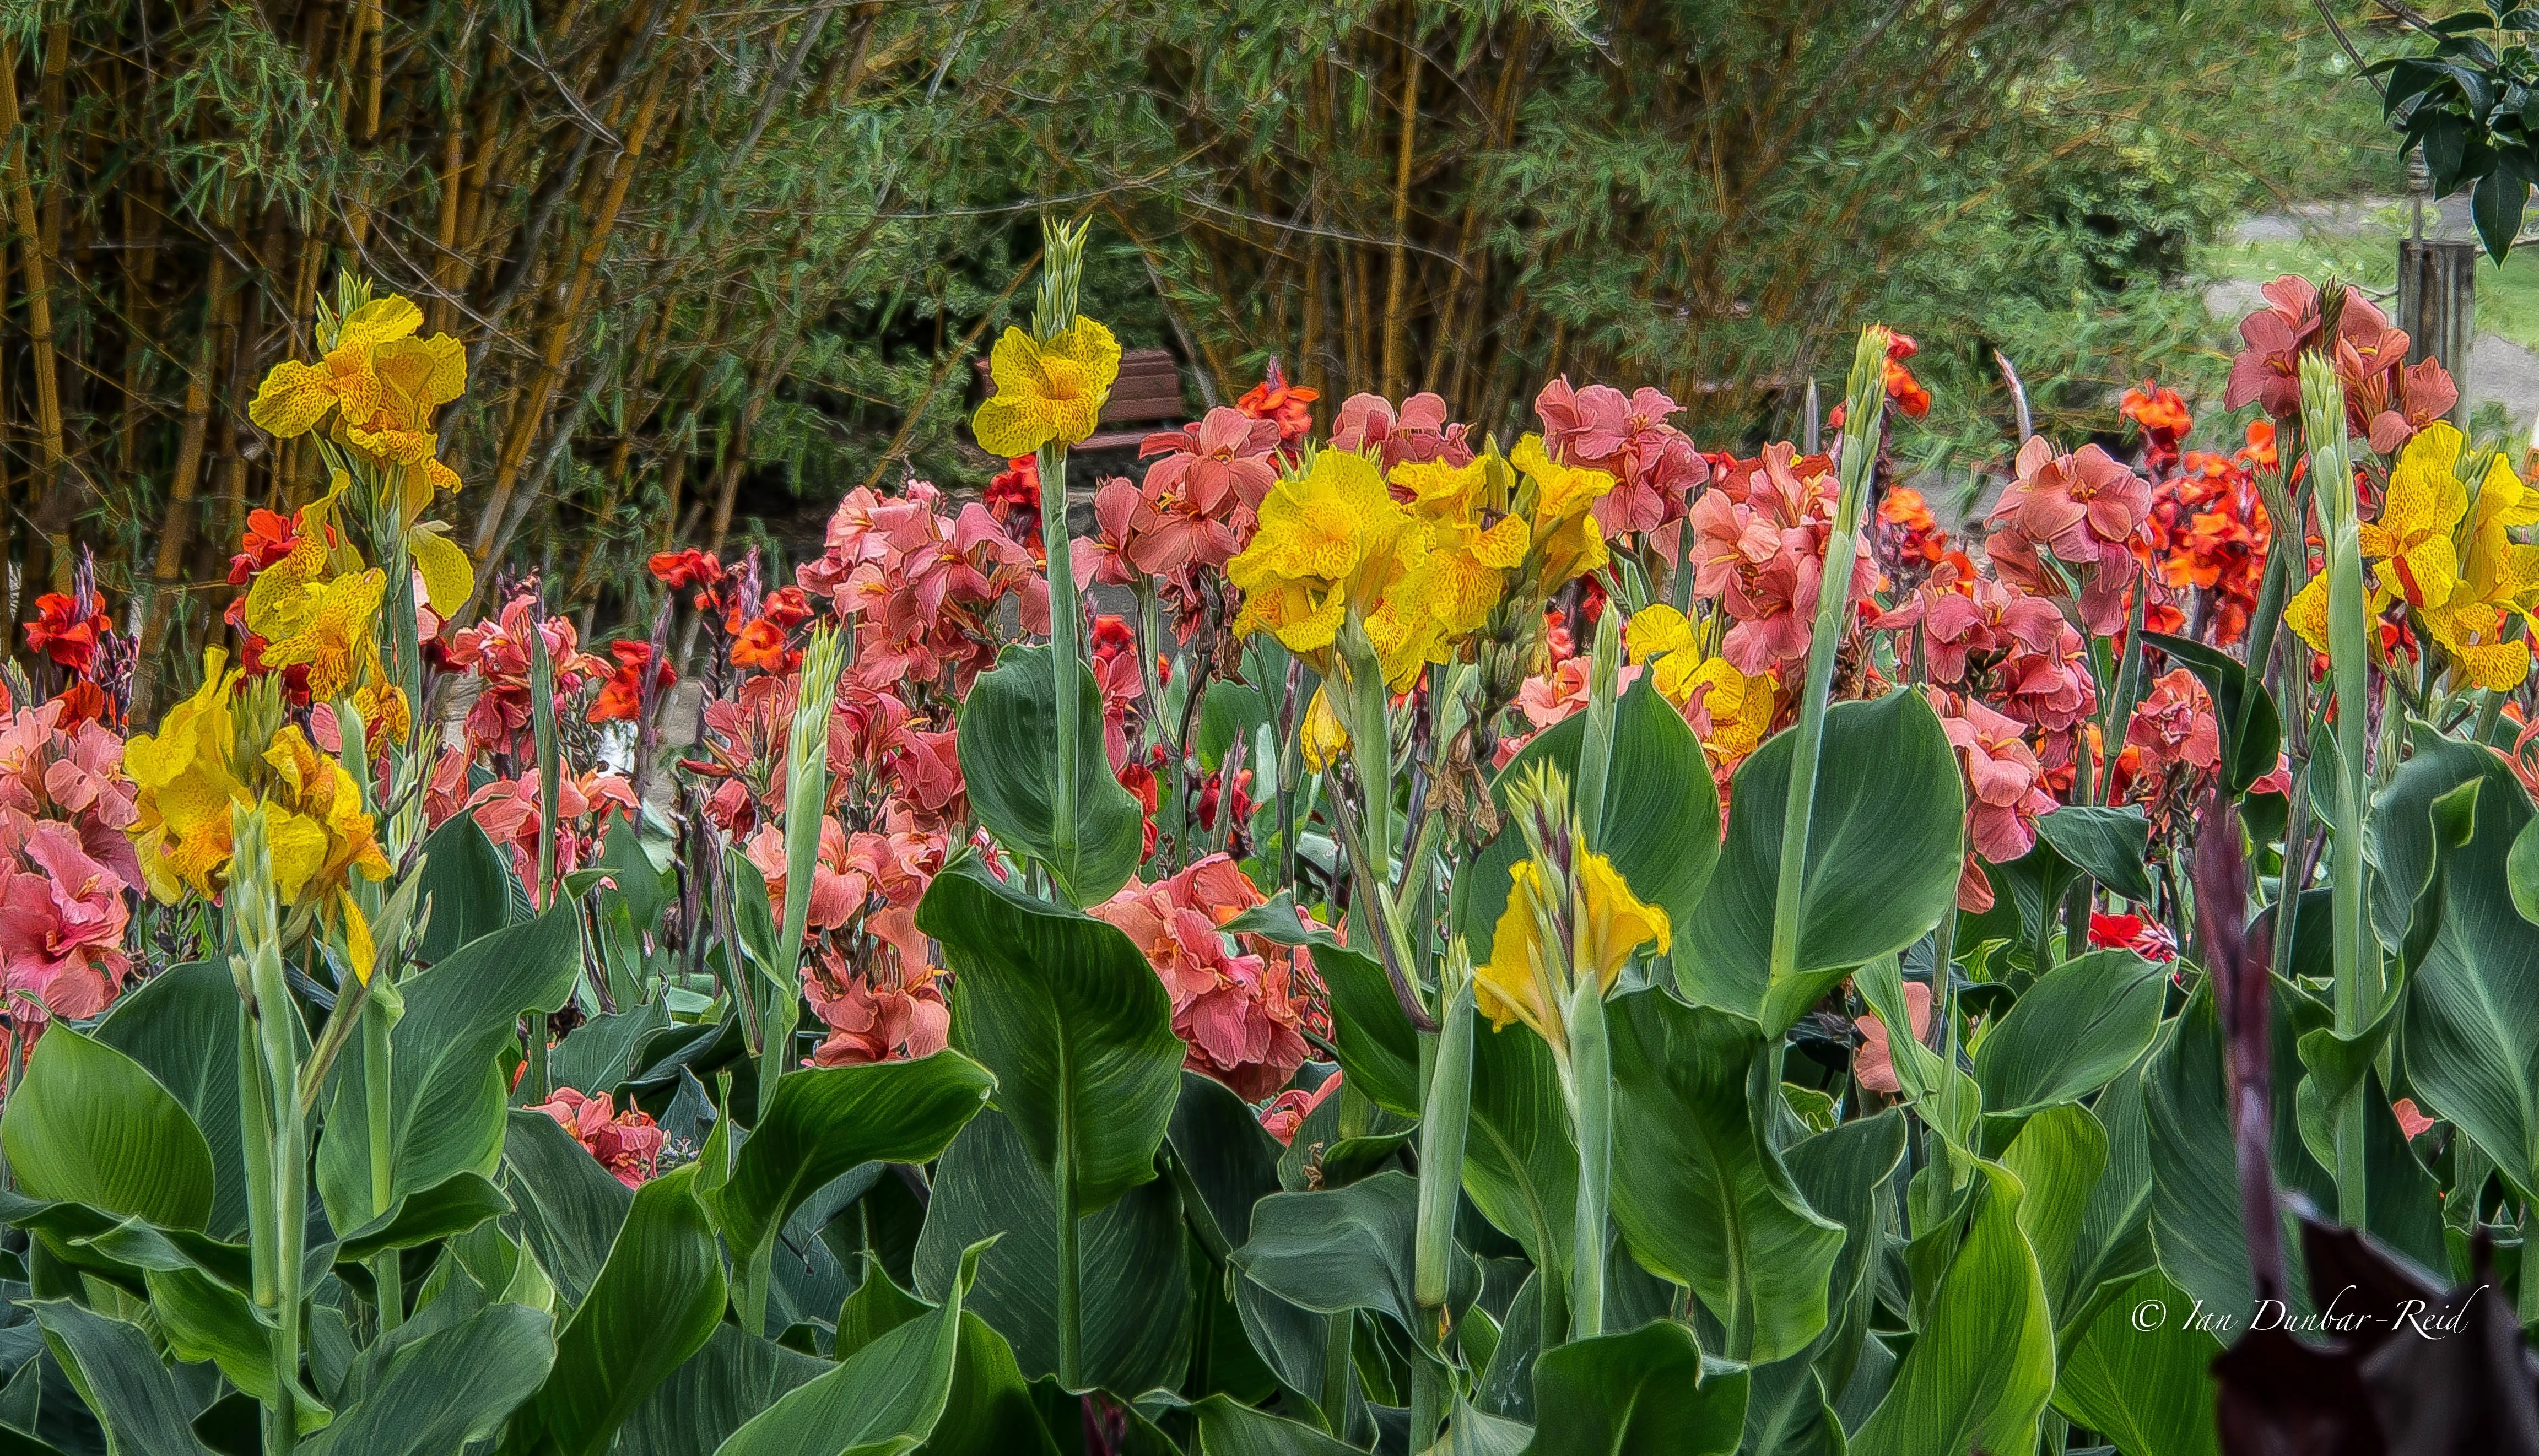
(2176, 724)
(1654, 465)
(2004, 782)
(2085, 508)
(1973, 625)
(1417, 432)
(72, 773)
(507, 810)
(626, 1144)
(1288, 1110)
(1103, 557)
(888, 1013)
(838, 887)
(62, 919)
(1236, 999)
(1875, 1065)
(1762, 553)
(1226, 463)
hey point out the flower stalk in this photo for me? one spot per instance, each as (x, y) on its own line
(1863, 415)
(1061, 274)
(806, 810)
(2356, 954)
(269, 1106)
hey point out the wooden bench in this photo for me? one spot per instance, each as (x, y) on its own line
(1144, 399)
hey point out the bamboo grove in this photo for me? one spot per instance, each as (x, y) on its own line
(703, 257)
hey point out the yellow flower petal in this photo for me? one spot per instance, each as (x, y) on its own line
(448, 576)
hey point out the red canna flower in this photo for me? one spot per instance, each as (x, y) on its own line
(1287, 405)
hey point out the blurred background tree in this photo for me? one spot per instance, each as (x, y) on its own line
(715, 265)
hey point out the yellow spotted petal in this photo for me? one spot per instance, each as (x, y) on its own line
(448, 576)
(379, 322)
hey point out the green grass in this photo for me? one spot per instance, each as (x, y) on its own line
(2507, 298)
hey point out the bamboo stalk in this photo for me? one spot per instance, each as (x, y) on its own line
(52, 514)
(1397, 281)
(177, 524)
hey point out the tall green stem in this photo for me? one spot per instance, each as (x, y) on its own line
(806, 811)
(2356, 954)
(378, 1089)
(1595, 751)
(1862, 413)
(269, 1073)
(1591, 1071)
(1062, 251)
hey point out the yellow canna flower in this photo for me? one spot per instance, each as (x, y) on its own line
(1325, 541)
(295, 396)
(327, 626)
(1527, 967)
(2411, 546)
(1531, 964)
(1729, 712)
(1047, 389)
(321, 838)
(185, 786)
(1561, 512)
(1616, 923)
(448, 576)
(1323, 737)
(1569, 915)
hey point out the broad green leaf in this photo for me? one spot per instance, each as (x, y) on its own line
(120, 1378)
(1230, 1161)
(1349, 1248)
(599, 1055)
(655, 1303)
(2404, 837)
(204, 1319)
(2195, 1223)
(882, 1399)
(1136, 1290)
(641, 884)
(1885, 844)
(1008, 747)
(2075, 1030)
(876, 1308)
(453, 1386)
(1520, 1154)
(466, 888)
(991, 1412)
(2141, 1377)
(1978, 1374)
(182, 1026)
(1660, 816)
(1698, 1190)
(1075, 1024)
(2058, 1157)
(1839, 1173)
(445, 1109)
(1787, 1412)
(1471, 1431)
(1644, 1393)
(446, 1210)
(2108, 844)
(2471, 1038)
(1227, 1428)
(571, 1207)
(713, 1393)
(2115, 1231)
(90, 1126)
(827, 1120)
